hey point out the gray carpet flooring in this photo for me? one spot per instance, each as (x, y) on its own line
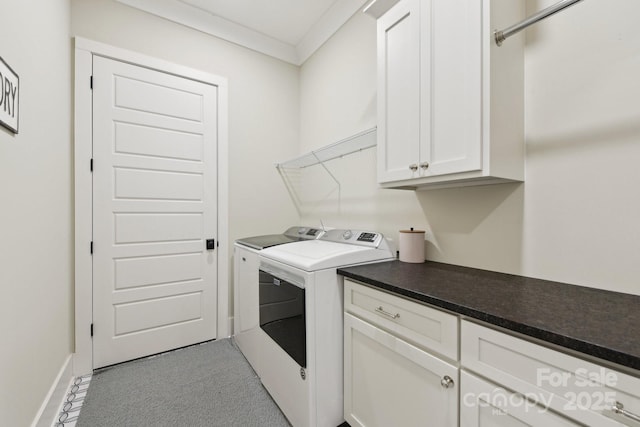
(210, 384)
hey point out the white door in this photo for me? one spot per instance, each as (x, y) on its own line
(389, 382)
(399, 92)
(154, 206)
(453, 71)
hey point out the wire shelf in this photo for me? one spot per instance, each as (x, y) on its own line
(358, 142)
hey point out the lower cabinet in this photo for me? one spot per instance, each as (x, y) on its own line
(389, 382)
(585, 392)
(407, 364)
(484, 404)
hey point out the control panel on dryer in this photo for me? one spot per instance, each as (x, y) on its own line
(354, 237)
(303, 233)
(367, 237)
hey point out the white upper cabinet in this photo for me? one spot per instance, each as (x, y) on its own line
(450, 102)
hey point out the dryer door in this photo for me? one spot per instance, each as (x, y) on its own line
(282, 315)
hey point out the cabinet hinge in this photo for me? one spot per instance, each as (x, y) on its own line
(92, 329)
(91, 82)
(91, 247)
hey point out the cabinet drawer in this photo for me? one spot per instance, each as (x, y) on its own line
(580, 390)
(485, 404)
(426, 327)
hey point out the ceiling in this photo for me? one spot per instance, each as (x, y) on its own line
(290, 30)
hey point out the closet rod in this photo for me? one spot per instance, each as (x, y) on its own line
(501, 36)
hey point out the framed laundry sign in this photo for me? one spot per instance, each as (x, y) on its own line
(9, 97)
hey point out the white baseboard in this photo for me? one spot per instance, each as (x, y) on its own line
(53, 401)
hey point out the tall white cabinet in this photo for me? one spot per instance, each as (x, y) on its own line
(450, 102)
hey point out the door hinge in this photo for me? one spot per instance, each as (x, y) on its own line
(91, 82)
(92, 329)
(91, 165)
(91, 247)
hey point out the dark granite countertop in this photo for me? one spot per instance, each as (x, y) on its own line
(595, 322)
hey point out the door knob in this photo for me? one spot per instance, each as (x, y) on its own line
(447, 382)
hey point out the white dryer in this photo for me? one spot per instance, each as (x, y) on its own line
(301, 319)
(245, 286)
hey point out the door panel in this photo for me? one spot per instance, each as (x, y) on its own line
(157, 185)
(154, 186)
(389, 382)
(455, 140)
(152, 270)
(156, 313)
(157, 97)
(399, 91)
(157, 227)
(150, 141)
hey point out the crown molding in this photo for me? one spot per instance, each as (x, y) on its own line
(333, 19)
(193, 17)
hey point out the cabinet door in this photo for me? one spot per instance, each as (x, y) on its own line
(399, 92)
(483, 404)
(452, 96)
(389, 382)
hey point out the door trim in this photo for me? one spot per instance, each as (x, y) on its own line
(83, 209)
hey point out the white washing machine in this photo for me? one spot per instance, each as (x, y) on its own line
(301, 322)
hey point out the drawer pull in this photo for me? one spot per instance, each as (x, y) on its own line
(447, 382)
(618, 408)
(386, 313)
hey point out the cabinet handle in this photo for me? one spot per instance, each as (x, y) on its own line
(413, 167)
(447, 382)
(244, 259)
(386, 313)
(618, 408)
(424, 165)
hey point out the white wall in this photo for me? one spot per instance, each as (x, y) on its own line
(583, 146)
(36, 222)
(338, 99)
(575, 219)
(263, 104)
